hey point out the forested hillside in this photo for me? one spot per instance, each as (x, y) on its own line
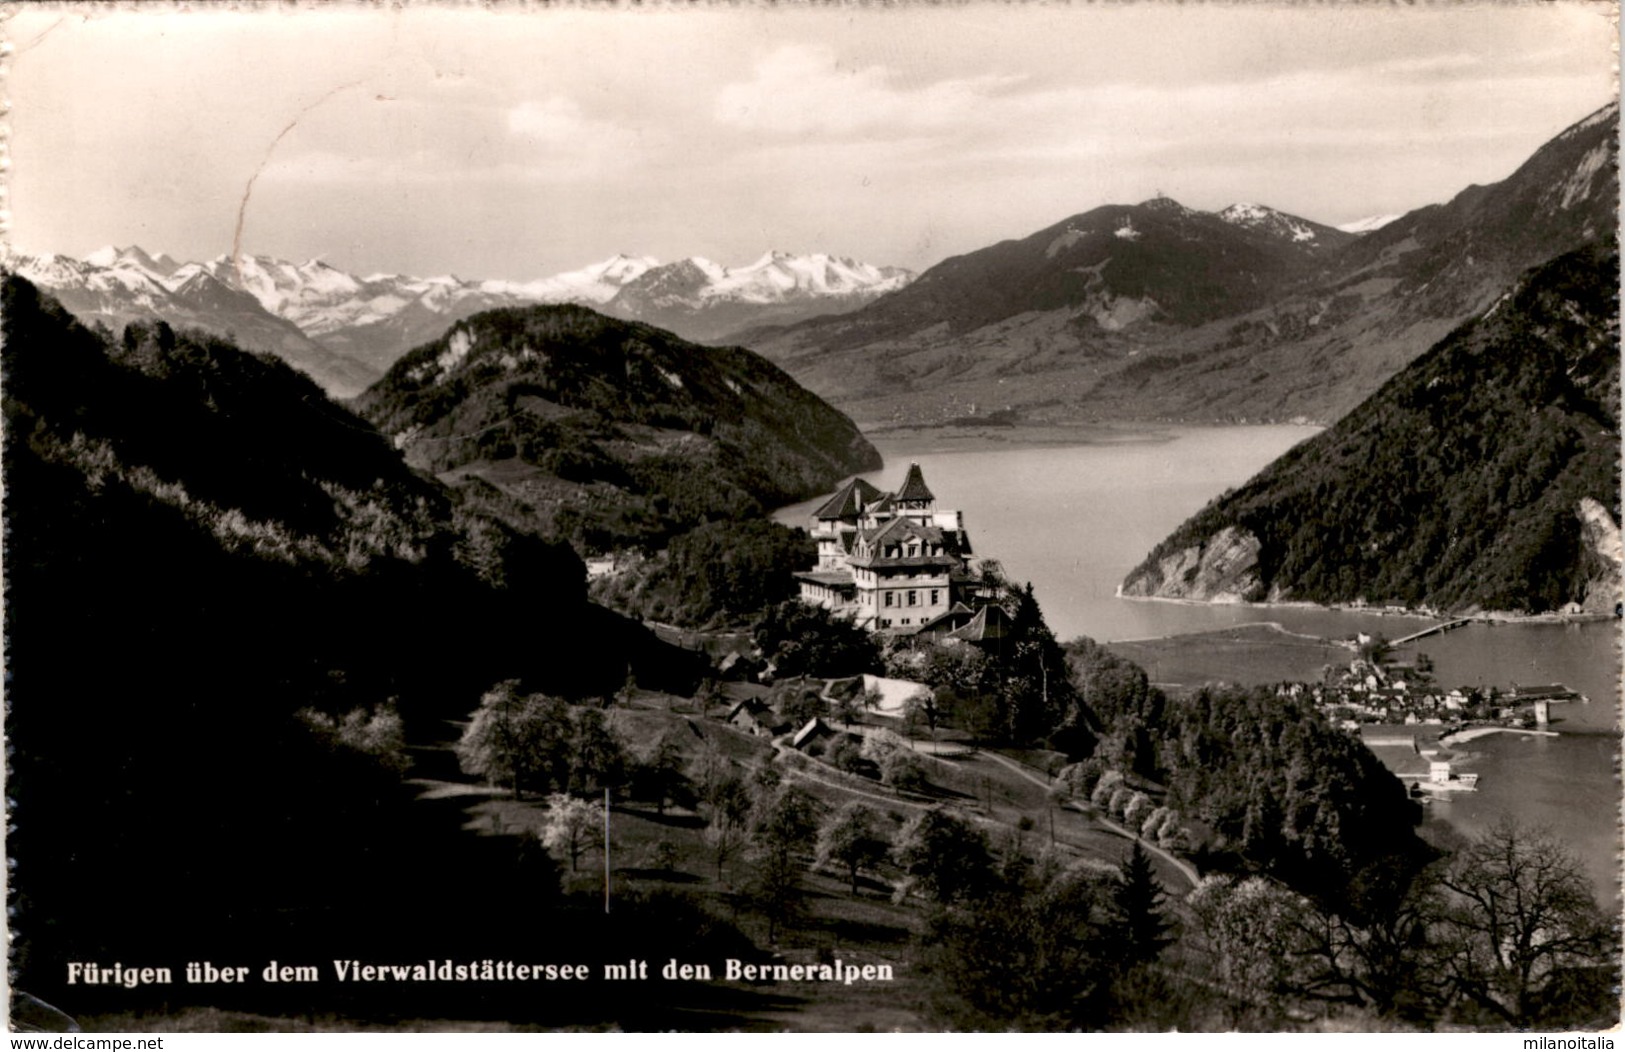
(200, 546)
(611, 434)
(1483, 476)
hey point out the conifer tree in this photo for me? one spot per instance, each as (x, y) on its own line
(1139, 905)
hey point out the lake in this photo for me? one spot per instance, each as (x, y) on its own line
(1075, 519)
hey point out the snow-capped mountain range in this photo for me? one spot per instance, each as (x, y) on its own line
(706, 301)
(346, 330)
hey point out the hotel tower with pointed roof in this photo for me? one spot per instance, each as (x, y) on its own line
(893, 562)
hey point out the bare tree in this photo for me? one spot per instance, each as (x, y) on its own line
(1521, 916)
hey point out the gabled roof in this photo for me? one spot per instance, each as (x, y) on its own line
(954, 617)
(896, 530)
(848, 501)
(759, 713)
(990, 622)
(752, 706)
(813, 729)
(914, 487)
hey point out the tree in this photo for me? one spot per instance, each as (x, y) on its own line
(708, 694)
(709, 768)
(1521, 917)
(727, 805)
(377, 733)
(903, 771)
(1038, 954)
(773, 889)
(664, 855)
(658, 775)
(597, 758)
(851, 839)
(945, 857)
(788, 814)
(1139, 900)
(781, 823)
(846, 754)
(800, 639)
(522, 741)
(798, 703)
(1253, 934)
(899, 767)
(846, 709)
(572, 825)
(1037, 687)
(1384, 946)
(921, 707)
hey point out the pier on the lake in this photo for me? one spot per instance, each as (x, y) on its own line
(1435, 630)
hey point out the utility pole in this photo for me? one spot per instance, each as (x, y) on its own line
(606, 849)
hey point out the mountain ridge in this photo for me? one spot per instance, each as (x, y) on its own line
(346, 330)
(1151, 312)
(612, 433)
(1507, 434)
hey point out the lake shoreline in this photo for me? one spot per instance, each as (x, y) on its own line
(1489, 617)
(915, 440)
(1274, 626)
(1472, 733)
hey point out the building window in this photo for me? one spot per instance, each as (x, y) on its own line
(936, 596)
(913, 598)
(885, 622)
(905, 621)
(888, 598)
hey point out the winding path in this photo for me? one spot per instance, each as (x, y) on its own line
(1185, 868)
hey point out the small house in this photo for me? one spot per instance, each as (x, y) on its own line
(815, 730)
(755, 719)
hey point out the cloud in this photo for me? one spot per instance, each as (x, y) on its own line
(800, 90)
(557, 121)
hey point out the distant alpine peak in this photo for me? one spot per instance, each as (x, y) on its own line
(778, 276)
(1164, 203)
(1247, 212)
(1268, 220)
(622, 265)
(1368, 224)
(109, 257)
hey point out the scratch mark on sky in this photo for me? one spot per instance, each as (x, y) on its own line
(242, 207)
(42, 35)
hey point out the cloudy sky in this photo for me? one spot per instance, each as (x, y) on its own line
(517, 143)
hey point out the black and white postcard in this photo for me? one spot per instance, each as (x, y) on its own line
(820, 518)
